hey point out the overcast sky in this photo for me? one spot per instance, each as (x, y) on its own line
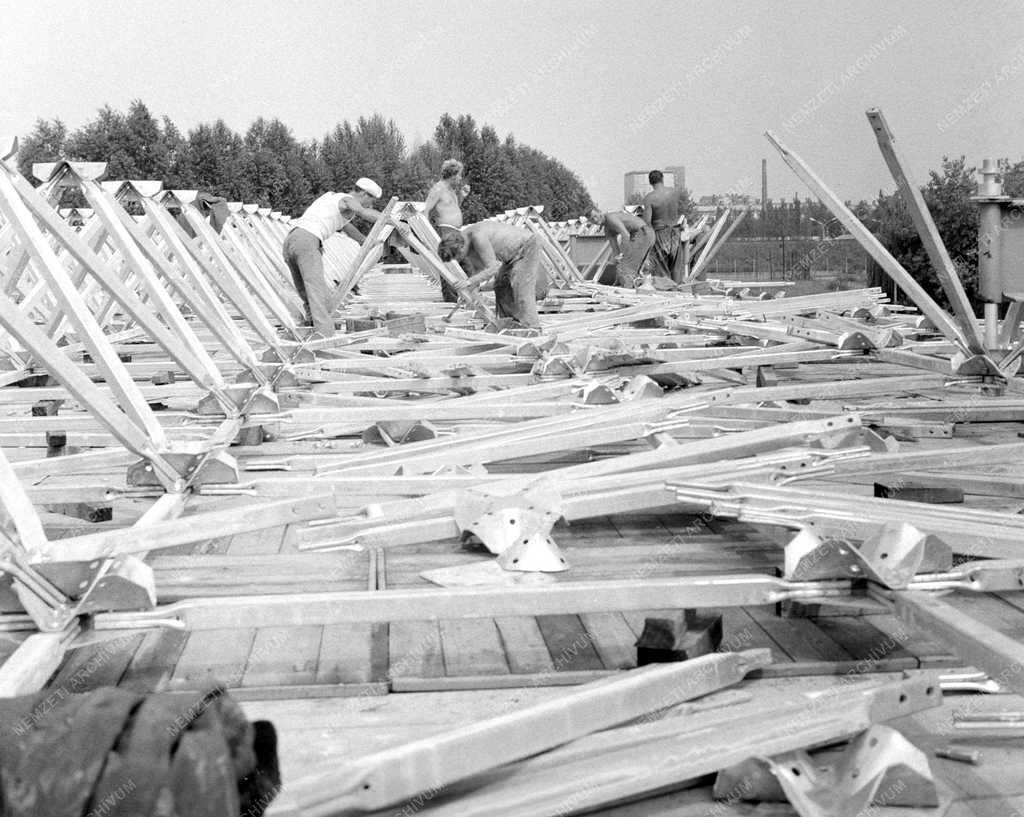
(605, 87)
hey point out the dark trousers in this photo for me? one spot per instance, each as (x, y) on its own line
(519, 284)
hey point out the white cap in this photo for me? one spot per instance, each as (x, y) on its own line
(370, 186)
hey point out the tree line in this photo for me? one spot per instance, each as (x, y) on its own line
(270, 166)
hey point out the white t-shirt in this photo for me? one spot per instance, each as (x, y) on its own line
(323, 217)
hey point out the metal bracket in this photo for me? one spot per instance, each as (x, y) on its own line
(516, 527)
(399, 432)
(876, 765)
(891, 557)
(975, 366)
(55, 593)
(196, 467)
(753, 780)
(620, 390)
(247, 398)
(296, 356)
(553, 368)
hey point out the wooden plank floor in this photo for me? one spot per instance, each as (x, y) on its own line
(414, 656)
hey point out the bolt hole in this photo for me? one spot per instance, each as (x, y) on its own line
(873, 742)
(855, 774)
(796, 772)
(515, 561)
(884, 556)
(930, 691)
(903, 699)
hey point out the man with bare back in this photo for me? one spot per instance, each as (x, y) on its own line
(630, 238)
(661, 212)
(508, 254)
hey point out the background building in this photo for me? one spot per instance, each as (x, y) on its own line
(635, 185)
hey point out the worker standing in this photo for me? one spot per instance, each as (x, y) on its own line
(304, 245)
(661, 212)
(443, 208)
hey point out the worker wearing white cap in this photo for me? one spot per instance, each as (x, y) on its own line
(303, 246)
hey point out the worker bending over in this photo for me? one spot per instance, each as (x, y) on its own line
(630, 238)
(661, 212)
(304, 245)
(508, 254)
(443, 208)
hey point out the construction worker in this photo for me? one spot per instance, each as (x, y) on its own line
(304, 245)
(443, 208)
(630, 238)
(661, 212)
(508, 254)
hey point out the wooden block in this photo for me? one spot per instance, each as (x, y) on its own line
(46, 408)
(679, 637)
(919, 492)
(88, 511)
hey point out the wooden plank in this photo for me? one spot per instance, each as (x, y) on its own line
(613, 639)
(525, 648)
(802, 639)
(153, 664)
(929, 652)
(97, 665)
(865, 643)
(346, 654)
(213, 656)
(257, 542)
(283, 655)
(741, 632)
(415, 650)
(569, 643)
(472, 647)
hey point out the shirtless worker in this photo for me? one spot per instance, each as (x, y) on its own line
(443, 208)
(661, 212)
(630, 238)
(304, 245)
(510, 255)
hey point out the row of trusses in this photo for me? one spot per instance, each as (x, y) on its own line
(420, 423)
(699, 242)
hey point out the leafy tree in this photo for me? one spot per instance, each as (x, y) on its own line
(947, 195)
(44, 144)
(1013, 178)
(270, 166)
